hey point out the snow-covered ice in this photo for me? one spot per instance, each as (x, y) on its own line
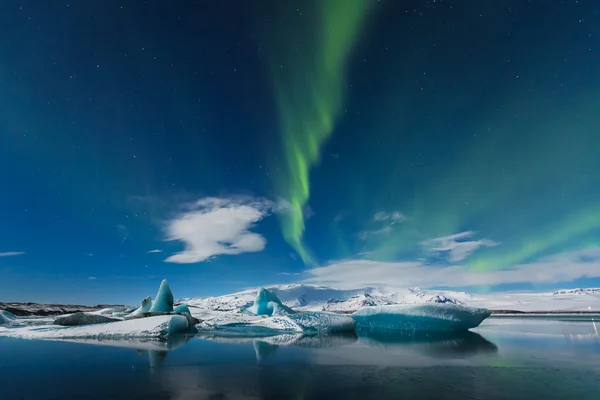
(163, 301)
(302, 322)
(159, 326)
(422, 317)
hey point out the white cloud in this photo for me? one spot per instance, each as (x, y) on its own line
(155, 251)
(92, 278)
(457, 251)
(391, 219)
(360, 273)
(12, 253)
(214, 226)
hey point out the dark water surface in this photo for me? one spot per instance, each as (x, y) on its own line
(508, 358)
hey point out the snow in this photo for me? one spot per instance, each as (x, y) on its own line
(159, 326)
(163, 301)
(323, 298)
(422, 317)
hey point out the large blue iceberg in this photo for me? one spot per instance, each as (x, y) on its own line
(267, 303)
(163, 303)
(420, 317)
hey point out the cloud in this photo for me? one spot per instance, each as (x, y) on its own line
(391, 219)
(352, 274)
(155, 251)
(12, 253)
(92, 278)
(457, 250)
(213, 226)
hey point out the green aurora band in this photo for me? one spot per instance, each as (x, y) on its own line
(308, 64)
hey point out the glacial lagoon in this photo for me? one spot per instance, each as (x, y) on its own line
(505, 358)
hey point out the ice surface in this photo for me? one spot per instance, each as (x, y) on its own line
(267, 302)
(143, 308)
(6, 317)
(81, 318)
(182, 308)
(159, 326)
(421, 317)
(305, 322)
(164, 299)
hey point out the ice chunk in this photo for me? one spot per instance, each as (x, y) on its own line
(182, 308)
(143, 308)
(304, 322)
(6, 317)
(164, 299)
(159, 326)
(81, 318)
(420, 317)
(266, 302)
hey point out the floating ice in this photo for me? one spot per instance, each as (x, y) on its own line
(421, 317)
(267, 302)
(159, 326)
(81, 318)
(143, 308)
(182, 308)
(6, 317)
(305, 322)
(164, 299)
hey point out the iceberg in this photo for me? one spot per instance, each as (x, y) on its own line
(310, 322)
(151, 327)
(267, 302)
(163, 303)
(182, 308)
(81, 318)
(420, 317)
(143, 308)
(6, 317)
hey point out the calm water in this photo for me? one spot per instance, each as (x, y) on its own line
(508, 358)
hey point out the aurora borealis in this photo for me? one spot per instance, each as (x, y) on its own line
(246, 142)
(308, 60)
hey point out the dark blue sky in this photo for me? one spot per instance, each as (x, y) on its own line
(430, 143)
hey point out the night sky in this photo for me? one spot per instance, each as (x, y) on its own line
(229, 144)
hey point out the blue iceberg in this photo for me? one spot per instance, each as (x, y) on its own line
(163, 303)
(267, 303)
(143, 308)
(182, 308)
(420, 317)
(6, 317)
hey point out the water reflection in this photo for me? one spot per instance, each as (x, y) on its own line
(435, 344)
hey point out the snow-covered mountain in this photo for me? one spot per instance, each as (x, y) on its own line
(324, 298)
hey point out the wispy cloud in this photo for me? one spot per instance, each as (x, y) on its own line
(360, 273)
(457, 248)
(388, 218)
(213, 226)
(155, 251)
(392, 217)
(92, 278)
(12, 253)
